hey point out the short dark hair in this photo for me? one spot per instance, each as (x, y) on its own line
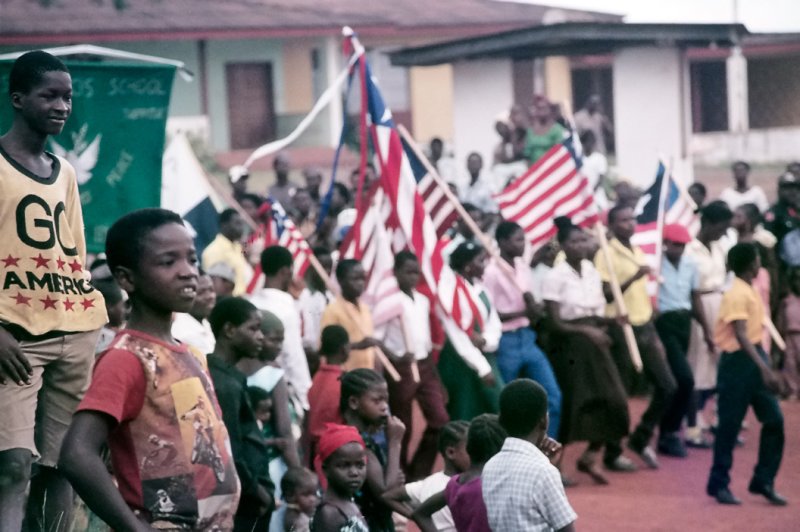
(523, 404)
(741, 257)
(108, 287)
(613, 211)
(715, 212)
(741, 163)
(125, 237)
(29, 69)
(255, 198)
(699, 186)
(294, 478)
(356, 383)
(752, 213)
(403, 257)
(332, 339)
(485, 438)
(505, 229)
(564, 227)
(256, 394)
(452, 434)
(234, 310)
(227, 215)
(275, 258)
(344, 267)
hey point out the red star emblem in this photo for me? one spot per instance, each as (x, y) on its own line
(22, 300)
(69, 304)
(75, 266)
(40, 261)
(87, 303)
(60, 263)
(49, 303)
(10, 261)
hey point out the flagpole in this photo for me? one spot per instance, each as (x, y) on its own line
(627, 329)
(487, 242)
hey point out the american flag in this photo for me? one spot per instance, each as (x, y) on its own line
(279, 230)
(442, 211)
(405, 217)
(553, 186)
(655, 211)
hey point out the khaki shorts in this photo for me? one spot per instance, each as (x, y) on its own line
(36, 416)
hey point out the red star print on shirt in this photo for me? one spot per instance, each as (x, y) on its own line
(87, 303)
(49, 303)
(75, 266)
(40, 261)
(68, 305)
(10, 261)
(60, 263)
(22, 300)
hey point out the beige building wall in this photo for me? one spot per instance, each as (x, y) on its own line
(558, 82)
(297, 78)
(431, 90)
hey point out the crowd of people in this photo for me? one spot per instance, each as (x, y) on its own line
(220, 404)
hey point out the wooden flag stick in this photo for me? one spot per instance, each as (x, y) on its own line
(630, 339)
(228, 197)
(484, 239)
(774, 334)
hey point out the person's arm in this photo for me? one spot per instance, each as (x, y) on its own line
(327, 518)
(14, 364)
(381, 479)
(422, 516)
(81, 463)
(699, 314)
(465, 348)
(397, 494)
(283, 422)
(767, 376)
(597, 336)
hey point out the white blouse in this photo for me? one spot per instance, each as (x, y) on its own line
(579, 296)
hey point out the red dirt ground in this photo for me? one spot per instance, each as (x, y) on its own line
(674, 499)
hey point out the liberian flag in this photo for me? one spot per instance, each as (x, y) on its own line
(553, 186)
(278, 229)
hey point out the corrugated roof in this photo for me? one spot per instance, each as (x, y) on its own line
(63, 20)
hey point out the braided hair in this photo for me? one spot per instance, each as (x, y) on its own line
(356, 383)
(452, 434)
(485, 438)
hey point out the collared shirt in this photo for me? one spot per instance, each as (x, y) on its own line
(231, 253)
(677, 285)
(579, 295)
(740, 302)
(357, 321)
(626, 262)
(414, 321)
(736, 199)
(188, 330)
(710, 263)
(292, 357)
(312, 304)
(506, 294)
(523, 490)
(479, 193)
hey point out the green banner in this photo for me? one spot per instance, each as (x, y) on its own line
(114, 138)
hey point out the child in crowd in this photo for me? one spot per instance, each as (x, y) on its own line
(237, 329)
(325, 392)
(453, 448)
(151, 395)
(364, 404)
(789, 323)
(116, 308)
(300, 495)
(278, 428)
(521, 488)
(744, 379)
(342, 458)
(462, 495)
